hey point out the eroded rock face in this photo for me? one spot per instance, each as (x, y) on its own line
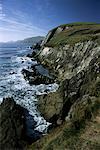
(77, 69)
(67, 61)
(11, 125)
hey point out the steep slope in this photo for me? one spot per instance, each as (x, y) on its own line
(65, 137)
(72, 54)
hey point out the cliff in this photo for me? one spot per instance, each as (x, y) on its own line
(71, 53)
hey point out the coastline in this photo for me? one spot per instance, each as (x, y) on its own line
(35, 124)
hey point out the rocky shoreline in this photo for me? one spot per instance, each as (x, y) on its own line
(20, 124)
(72, 61)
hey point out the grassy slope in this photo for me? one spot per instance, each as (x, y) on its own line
(66, 137)
(77, 32)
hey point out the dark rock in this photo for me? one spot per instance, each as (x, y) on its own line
(31, 135)
(16, 126)
(27, 73)
(35, 77)
(36, 46)
(11, 125)
(12, 72)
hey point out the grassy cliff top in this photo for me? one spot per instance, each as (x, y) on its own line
(73, 33)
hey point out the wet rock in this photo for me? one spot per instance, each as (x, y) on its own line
(27, 73)
(36, 78)
(12, 72)
(37, 46)
(33, 54)
(31, 135)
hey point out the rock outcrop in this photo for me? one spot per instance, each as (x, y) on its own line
(11, 126)
(36, 78)
(76, 66)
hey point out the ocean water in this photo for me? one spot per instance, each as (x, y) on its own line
(12, 83)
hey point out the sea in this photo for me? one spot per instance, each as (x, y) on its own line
(13, 84)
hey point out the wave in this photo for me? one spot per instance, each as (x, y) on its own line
(14, 85)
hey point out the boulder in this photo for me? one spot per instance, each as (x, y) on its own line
(11, 125)
(50, 105)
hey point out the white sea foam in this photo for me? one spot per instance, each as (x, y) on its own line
(25, 95)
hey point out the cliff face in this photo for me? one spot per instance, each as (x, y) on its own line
(75, 64)
(72, 54)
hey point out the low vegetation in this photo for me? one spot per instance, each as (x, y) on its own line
(66, 137)
(76, 32)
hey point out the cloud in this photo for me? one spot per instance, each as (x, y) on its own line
(2, 15)
(18, 24)
(12, 29)
(12, 25)
(43, 5)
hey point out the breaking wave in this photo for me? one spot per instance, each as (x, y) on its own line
(12, 84)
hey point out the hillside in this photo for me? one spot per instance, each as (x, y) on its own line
(73, 33)
(26, 42)
(31, 40)
(71, 53)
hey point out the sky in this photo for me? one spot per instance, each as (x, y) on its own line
(20, 19)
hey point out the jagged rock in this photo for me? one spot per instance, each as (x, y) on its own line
(67, 61)
(34, 77)
(76, 66)
(11, 125)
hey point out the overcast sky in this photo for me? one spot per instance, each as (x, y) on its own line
(20, 19)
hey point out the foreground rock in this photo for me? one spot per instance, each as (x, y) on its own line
(11, 125)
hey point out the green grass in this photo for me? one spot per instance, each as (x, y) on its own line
(68, 137)
(77, 32)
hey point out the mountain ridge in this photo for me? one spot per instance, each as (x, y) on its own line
(25, 42)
